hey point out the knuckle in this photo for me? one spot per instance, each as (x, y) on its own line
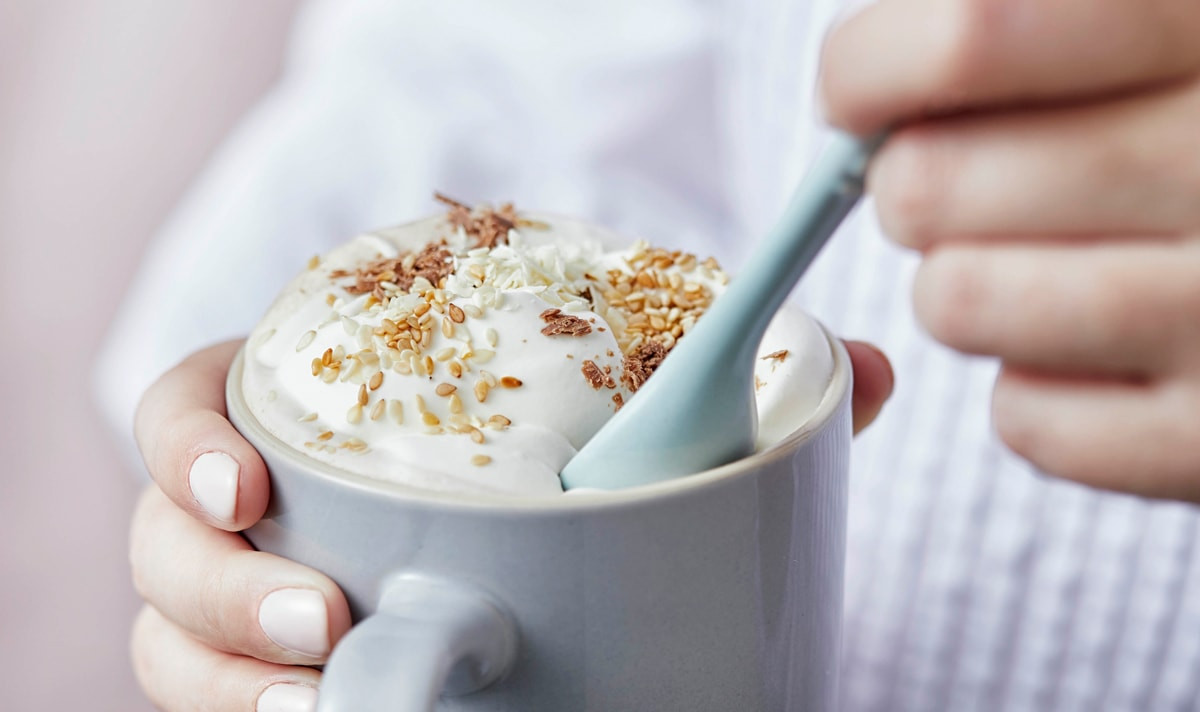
(960, 48)
(948, 298)
(215, 595)
(139, 540)
(142, 656)
(910, 180)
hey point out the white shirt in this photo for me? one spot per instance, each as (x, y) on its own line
(972, 582)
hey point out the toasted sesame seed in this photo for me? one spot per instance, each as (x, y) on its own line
(314, 261)
(316, 367)
(483, 355)
(481, 391)
(396, 411)
(456, 313)
(447, 327)
(455, 369)
(404, 368)
(362, 394)
(308, 418)
(510, 382)
(305, 340)
(480, 460)
(354, 415)
(445, 389)
(430, 419)
(330, 299)
(420, 403)
(376, 380)
(488, 377)
(473, 311)
(329, 375)
(325, 435)
(378, 409)
(421, 309)
(477, 435)
(499, 421)
(456, 404)
(427, 364)
(327, 357)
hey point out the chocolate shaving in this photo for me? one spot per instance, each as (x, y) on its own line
(640, 364)
(559, 323)
(434, 262)
(596, 377)
(487, 227)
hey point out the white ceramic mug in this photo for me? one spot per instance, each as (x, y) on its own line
(720, 591)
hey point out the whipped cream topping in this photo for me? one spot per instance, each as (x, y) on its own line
(417, 356)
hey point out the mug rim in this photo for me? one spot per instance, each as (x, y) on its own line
(300, 463)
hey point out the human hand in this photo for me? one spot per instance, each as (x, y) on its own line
(1046, 161)
(226, 627)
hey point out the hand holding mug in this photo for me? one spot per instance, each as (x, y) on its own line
(226, 625)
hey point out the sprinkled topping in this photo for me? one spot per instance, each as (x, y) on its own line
(640, 364)
(597, 377)
(486, 227)
(387, 276)
(305, 339)
(417, 311)
(559, 323)
(480, 460)
(779, 356)
(314, 261)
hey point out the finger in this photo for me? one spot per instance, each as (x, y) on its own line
(874, 381)
(1116, 168)
(192, 451)
(900, 59)
(180, 674)
(215, 586)
(1142, 439)
(1120, 308)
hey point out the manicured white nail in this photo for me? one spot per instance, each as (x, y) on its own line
(213, 480)
(295, 619)
(287, 697)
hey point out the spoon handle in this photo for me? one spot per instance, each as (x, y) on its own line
(698, 410)
(828, 192)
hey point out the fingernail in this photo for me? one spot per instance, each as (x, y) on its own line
(287, 697)
(295, 619)
(213, 480)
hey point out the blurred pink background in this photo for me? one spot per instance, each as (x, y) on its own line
(107, 109)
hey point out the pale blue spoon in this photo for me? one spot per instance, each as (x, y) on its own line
(697, 411)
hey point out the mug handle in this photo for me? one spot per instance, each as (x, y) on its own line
(428, 637)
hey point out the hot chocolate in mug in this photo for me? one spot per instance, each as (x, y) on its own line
(720, 591)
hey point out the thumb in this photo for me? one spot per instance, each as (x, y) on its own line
(873, 382)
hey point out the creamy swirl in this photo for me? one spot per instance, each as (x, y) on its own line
(418, 356)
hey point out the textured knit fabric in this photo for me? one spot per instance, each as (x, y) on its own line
(973, 583)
